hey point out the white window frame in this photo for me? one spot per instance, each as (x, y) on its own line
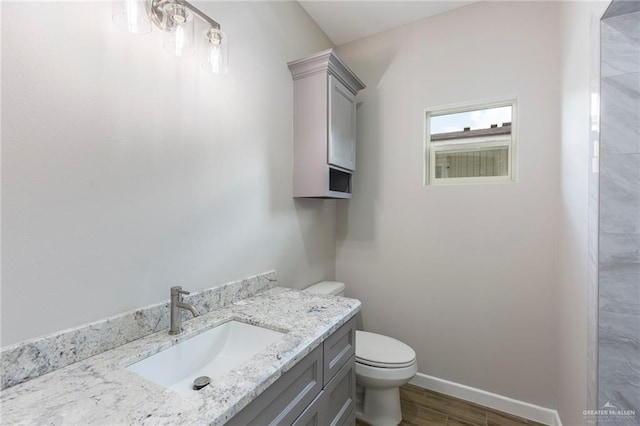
(467, 144)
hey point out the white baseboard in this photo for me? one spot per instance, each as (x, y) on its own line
(488, 399)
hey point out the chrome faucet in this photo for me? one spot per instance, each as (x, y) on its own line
(176, 306)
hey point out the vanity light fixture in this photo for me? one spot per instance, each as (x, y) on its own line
(177, 19)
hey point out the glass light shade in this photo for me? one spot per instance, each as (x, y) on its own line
(178, 23)
(132, 16)
(215, 51)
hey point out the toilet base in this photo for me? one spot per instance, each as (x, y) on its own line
(381, 407)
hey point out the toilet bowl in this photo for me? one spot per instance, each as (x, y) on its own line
(383, 364)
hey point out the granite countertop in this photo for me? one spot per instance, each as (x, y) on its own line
(100, 390)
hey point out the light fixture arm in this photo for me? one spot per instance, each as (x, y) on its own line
(201, 14)
(156, 12)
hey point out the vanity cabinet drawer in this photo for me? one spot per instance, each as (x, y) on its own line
(288, 397)
(314, 415)
(351, 418)
(340, 396)
(338, 349)
(335, 405)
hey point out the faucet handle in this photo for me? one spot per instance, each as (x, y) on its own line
(178, 290)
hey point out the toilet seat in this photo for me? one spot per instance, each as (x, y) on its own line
(383, 365)
(380, 351)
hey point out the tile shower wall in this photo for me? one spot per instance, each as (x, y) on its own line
(619, 252)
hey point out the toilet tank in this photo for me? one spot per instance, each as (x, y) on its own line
(333, 288)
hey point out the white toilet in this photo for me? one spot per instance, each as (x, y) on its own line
(383, 364)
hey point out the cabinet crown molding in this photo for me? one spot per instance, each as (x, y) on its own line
(323, 62)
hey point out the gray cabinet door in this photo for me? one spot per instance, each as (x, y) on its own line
(338, 349)
(342, 125)
(288, 397)
(340, 394)
(314, 415)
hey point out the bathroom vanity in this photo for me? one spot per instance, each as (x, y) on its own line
(319, 390)
(306, 377)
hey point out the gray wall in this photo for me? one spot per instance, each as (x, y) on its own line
(465, 274)
(619, 256)
(126, 171)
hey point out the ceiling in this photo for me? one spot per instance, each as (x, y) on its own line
(345, 21)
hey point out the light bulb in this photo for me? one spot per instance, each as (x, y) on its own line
(178, 22)
(215, 51)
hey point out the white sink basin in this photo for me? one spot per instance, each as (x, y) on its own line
(212, 353)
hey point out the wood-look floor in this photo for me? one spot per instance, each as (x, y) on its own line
(422, 407)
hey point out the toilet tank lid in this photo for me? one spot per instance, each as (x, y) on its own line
(326, 287)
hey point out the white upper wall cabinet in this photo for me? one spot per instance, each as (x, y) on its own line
(324, 126)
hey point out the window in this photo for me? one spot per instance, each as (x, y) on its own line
(470, 145)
